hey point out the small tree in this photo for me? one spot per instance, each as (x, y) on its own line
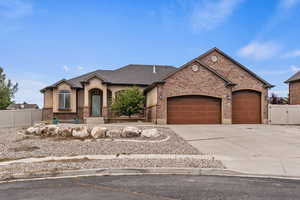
(129, 102)
(7, 90)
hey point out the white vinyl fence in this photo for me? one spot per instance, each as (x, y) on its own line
(284, 114)
(19, 118)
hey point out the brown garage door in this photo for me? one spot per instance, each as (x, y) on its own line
(194, 110)
(246, 107)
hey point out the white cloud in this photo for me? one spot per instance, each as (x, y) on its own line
(287, 4)
(209, 14)
(295, 53)
(294, 68)
(79, 68)
(259, 50)
(66, 68)
(15, 8)
(73, 69)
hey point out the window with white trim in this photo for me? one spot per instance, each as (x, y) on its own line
(64, 99)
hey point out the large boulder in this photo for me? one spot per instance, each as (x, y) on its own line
(80, 132)
(52, 130)
(31, 131)
(43, 130)
(114, 133)
(130, 131)
(150, 133)
(65, 131)
(98, 132)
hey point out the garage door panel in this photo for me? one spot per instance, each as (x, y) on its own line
(246, 107)
(194, 110)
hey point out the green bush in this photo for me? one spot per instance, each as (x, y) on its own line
(129, 102)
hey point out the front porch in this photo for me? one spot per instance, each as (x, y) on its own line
(97, 101)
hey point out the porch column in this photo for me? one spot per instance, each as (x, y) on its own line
(86, 112)
(104, 107)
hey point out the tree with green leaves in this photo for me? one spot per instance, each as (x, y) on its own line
(7, 90)
(129, 102)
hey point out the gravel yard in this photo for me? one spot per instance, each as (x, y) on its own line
(14, 146)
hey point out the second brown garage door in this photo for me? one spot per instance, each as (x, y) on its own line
(246, 107)
(194, 110)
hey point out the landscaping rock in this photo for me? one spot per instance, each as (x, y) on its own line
(150, 133)
(80, 132)
(52, 130)
(43, 130)
(114, 133)
(98, 132)
(65, 131)
(130, 131)
(39, 124)
(30, 131)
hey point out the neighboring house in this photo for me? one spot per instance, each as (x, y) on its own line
(211, 89)
(294, 88)
(18, 106)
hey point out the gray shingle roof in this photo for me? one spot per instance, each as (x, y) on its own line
(133, 74)
(295, 77)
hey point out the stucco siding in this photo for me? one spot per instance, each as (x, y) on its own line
(48, 98)
(80, 98)
(64, 86)
(151, 97)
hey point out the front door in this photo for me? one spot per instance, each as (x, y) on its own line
(96, 104)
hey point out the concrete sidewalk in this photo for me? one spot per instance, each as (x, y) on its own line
(255, 149)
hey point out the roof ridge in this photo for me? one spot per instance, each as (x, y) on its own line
(145, 65)
(88, 73)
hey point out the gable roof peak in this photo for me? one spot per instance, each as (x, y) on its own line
(267, 84)
(294, 77)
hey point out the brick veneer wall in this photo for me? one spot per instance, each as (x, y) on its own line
(188, 82)
(294, 92)
(242, 78)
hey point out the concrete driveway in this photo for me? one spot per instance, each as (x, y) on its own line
(259, 149)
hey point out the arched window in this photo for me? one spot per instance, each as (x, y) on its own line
(64, 98)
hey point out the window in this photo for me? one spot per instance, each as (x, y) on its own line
(64, 97)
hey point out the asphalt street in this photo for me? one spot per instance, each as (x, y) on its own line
(156, 187)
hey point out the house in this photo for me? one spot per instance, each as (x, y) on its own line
(294, 88)
(19, 106)
(210, 89)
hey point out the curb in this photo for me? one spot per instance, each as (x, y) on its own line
(140, 171)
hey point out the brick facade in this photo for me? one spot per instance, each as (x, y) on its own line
(294, 92)
(242, 78)
(203, 82)
(189, 82)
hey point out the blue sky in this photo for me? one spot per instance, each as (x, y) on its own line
(43, 41)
